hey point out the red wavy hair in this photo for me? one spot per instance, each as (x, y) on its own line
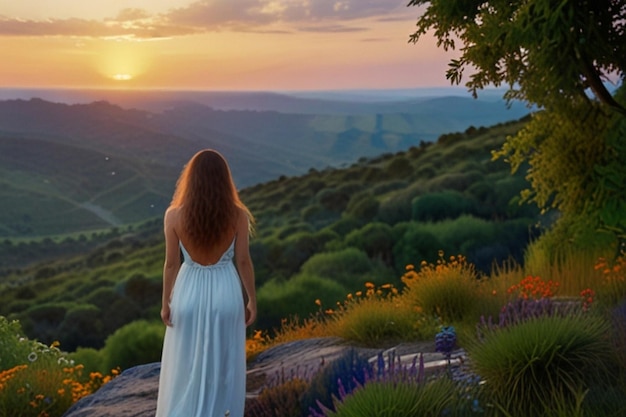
(208, 199)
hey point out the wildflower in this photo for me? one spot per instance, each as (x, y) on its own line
(409, 267)
(369, 285)
(32, 357)
(318, 302)
(587, 294)
(445, 341)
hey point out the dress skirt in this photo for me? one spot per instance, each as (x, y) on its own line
(203, 365)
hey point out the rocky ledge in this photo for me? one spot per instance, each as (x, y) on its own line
(134, 392)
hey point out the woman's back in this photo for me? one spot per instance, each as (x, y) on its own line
(201, 254)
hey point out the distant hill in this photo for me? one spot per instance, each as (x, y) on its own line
(78, 167)
(322, 234)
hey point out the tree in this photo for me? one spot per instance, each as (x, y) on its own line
(549, 54)
(558, 57)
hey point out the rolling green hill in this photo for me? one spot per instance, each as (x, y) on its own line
(83, 167)
(319, 235)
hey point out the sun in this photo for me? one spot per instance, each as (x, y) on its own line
(122, 61)
(122, 77)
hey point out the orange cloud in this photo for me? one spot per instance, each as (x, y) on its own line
(206, 16)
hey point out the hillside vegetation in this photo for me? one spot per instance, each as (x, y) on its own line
(319, 236)
(80, 168)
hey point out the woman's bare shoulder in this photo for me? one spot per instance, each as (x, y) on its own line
(172, 215)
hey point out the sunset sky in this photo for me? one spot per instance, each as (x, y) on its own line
(216, 45)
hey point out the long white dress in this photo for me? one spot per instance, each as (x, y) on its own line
(203, 365)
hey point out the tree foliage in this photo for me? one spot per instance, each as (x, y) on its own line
(558, 57)
(549, 53)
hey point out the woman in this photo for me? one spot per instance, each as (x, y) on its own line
(208, 298)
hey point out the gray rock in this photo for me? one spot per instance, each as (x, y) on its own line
(134, 392)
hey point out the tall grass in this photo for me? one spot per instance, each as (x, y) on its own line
(374, 317)
(393, 399)
(543, 363)
(447, 290)
(574, 269)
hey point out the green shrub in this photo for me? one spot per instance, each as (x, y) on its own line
(396, 207)
(434, 207)
(362, 206)
(349, 267)
(92, 359)
(318, 215)
(375, 321)
(134, 344)
(395, 399)
(280, 300)
(455, 234)
(417, 244)
(544, 363)
(14, 347)
(376, 239)
(454, 181)
(399, 167)
(144, 291)
(344, 226)
(447, 290)
(83, 326)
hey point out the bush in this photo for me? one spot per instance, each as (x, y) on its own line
(362, 206)
(92, 359)
(376, 239)
(375, 319)
(417, 244)
(447, 290)
(390, 399)
(14, 349)
(134, 344)
(39, 380)
(544, 363)
(396, 207)
(463, 233)
(442, 205)
(279, 300)
(82, 326)
(349, 267)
